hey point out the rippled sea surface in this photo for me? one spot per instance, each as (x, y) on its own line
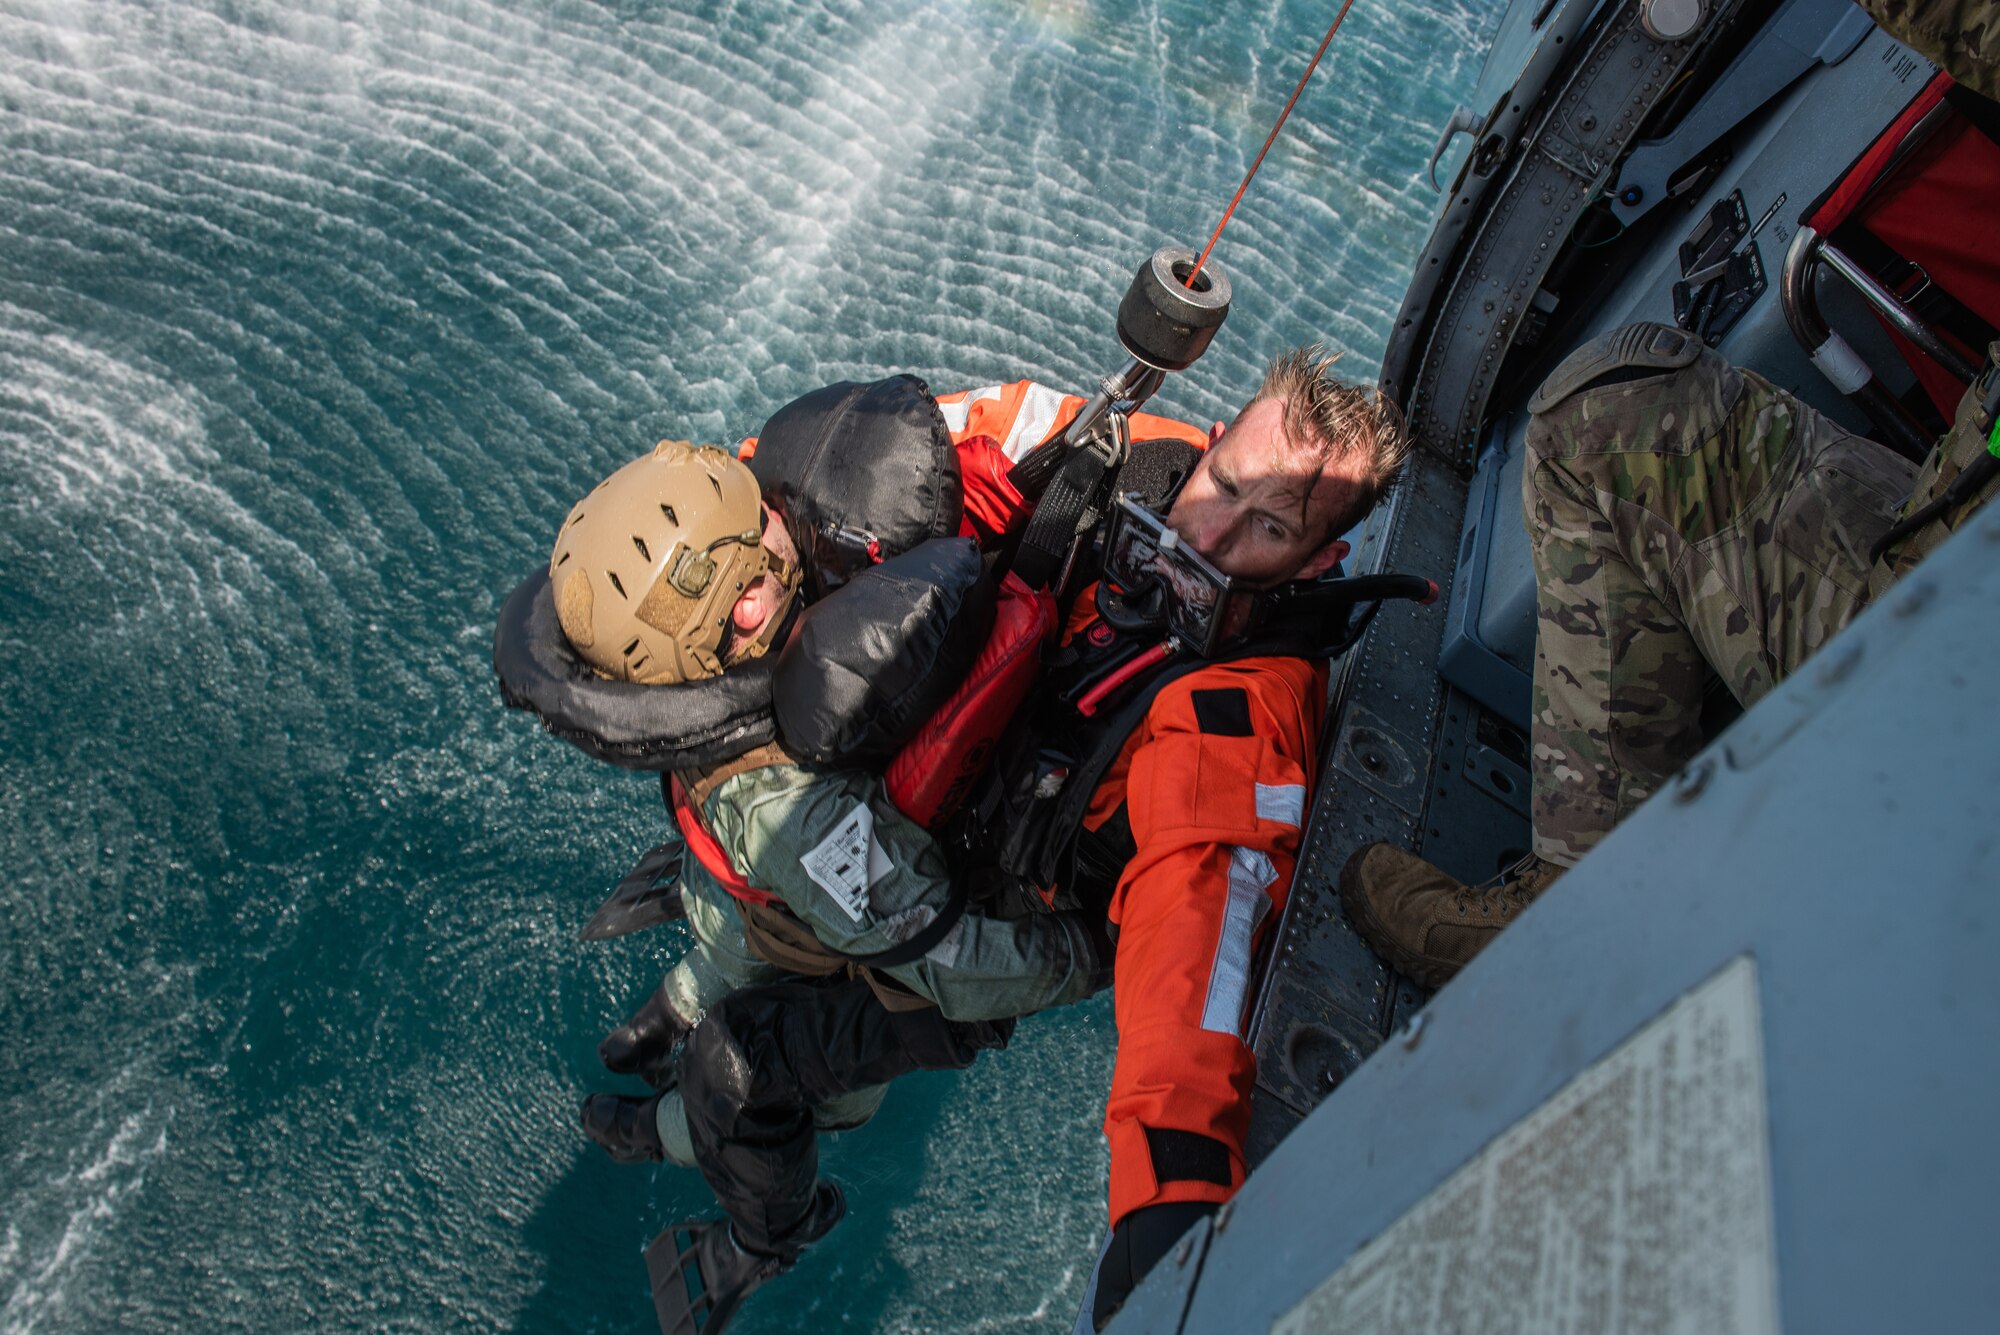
(315, 317)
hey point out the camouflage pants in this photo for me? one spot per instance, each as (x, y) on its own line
(1962, 36)
(1688, 524)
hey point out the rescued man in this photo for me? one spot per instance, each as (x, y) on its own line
(683, 516)
(1689, 522)
(1185, 843)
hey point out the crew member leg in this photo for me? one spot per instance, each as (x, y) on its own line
(1689, 521)
(764, 1056)
(1693, 524)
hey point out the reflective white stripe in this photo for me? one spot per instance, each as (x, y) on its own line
(1038, 413)
(1281, 801)
(1250, 874)
(958, 412)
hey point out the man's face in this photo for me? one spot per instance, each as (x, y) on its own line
(1245, 507)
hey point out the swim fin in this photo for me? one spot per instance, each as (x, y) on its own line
(649, 895)
(700, 1274)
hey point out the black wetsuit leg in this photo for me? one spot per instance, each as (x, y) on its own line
(763, 1056)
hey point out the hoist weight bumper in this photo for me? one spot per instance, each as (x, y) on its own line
(1163, 322)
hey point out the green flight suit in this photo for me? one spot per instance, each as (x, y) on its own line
(864, 878)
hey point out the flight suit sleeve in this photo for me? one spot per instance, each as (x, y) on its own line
(864, 878)
(1216, 796)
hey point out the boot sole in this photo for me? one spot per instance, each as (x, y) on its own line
(1427, 974)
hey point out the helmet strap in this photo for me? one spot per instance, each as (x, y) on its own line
(786, 575)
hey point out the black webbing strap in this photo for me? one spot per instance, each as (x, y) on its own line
(1056, 864)
(1187, 1156)
(916, 947)
(1045, 546)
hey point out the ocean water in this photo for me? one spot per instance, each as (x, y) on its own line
(315, 317)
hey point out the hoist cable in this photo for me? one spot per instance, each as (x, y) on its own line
(1269, 139)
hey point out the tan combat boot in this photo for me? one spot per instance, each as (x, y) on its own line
(1425, 924)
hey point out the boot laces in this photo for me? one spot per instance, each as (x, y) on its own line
(1507, 893)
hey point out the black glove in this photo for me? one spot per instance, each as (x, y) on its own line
(1137, 1244)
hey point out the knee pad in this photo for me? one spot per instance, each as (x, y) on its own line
(1633, 352)
(715, 1067)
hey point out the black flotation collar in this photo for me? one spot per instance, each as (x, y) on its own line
(637, 727)
(859, 463)
(868, 664)
(859, 672)
(860, 472)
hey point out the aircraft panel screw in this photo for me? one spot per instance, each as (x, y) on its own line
(1413, 1033)
(1842, 666)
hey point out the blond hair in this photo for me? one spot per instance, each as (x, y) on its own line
(1330, 419)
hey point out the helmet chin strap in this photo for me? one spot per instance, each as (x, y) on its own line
(785, 575)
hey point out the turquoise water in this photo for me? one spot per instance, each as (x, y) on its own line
(315, 316)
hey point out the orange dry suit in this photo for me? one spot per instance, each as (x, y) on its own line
(1187, 841)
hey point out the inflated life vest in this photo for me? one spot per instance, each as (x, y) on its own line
(861, 473)
(904, 622)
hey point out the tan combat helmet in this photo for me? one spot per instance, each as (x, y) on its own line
(649, 565)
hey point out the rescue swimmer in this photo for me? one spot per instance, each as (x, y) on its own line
(1187, 872)
(1170, 796)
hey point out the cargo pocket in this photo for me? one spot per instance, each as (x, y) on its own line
(1818, 572)
(1853, 489)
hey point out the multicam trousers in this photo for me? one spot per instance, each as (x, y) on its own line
(1962, 36)
(1689, 522)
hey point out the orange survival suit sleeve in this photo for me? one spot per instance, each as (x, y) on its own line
(1019, 416)
(1215, 786)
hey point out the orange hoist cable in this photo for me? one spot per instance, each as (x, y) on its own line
(1268, 141)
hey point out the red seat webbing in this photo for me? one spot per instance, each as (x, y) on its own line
(1937, 213)
(1833, 211)
(709, 853)
(1945, 217)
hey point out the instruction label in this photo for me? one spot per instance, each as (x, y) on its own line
(1638, 1198)
(848, 862)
